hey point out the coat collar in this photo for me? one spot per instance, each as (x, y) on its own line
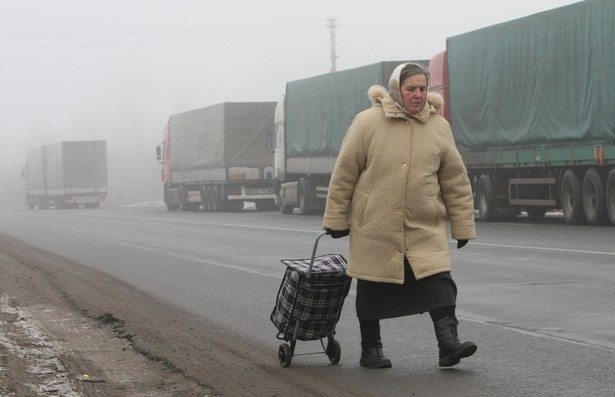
(379, 96)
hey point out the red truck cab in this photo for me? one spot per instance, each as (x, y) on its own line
(438, 81)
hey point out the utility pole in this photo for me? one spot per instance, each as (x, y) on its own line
(332, 25)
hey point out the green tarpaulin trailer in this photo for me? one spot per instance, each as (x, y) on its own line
(311, 122)
(531, 107)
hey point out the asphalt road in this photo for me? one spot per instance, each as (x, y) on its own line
(537, 298)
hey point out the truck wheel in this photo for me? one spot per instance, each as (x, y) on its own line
(167, 201)
(214, 207)
(594, 198)
(485, 195)
(302, 197)
(285, 209)
(610, 195)
(572, 199)
(222, 201)
(205, 198)
(172, 198)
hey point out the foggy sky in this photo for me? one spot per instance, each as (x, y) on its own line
(117, 69)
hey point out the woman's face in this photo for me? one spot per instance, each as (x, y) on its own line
(414, 93)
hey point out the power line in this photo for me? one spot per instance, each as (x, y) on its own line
(232, 27)
(151, 42)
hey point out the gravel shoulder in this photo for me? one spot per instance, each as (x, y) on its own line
(67, 329)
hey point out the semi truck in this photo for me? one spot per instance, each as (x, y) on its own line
(66, 175)
(311, 121)
(530, 102)
(216, 157)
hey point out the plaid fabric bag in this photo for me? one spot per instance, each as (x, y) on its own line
(316, 302)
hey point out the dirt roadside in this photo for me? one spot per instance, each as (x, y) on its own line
(69, 330)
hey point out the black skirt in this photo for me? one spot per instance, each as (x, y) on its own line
(377, 301)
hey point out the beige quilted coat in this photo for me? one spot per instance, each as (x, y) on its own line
(402, 175)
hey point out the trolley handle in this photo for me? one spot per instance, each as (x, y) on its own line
(323, 233)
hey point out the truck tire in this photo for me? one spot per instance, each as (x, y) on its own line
(610, 195)
(303, 197)
(485, 197)
(284, 209)
(474, 190)
(167, 201)
(594, 198)
(210, 198)
(203, 191)
(206, 198)
(222, 200)
(214, 198)
(571, 195)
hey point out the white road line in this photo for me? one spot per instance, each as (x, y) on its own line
(529, 247)
(540, 334)
(191, 258)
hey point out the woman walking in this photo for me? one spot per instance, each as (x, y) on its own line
(400, 172)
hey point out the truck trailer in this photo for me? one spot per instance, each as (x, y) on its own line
(530, 102)
(216, 157)
(66, 175)
(311, 121)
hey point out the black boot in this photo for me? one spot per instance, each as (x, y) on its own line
(373, 357)
(452, 350)
(371, 346)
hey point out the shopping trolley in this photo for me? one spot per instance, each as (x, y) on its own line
(309, 303)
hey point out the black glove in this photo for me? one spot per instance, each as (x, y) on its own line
(337, 233)
(461, 243)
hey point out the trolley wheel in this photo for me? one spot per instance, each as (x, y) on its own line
(285, 355)
(334, 351)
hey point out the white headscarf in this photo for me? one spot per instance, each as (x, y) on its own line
(395, 84)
